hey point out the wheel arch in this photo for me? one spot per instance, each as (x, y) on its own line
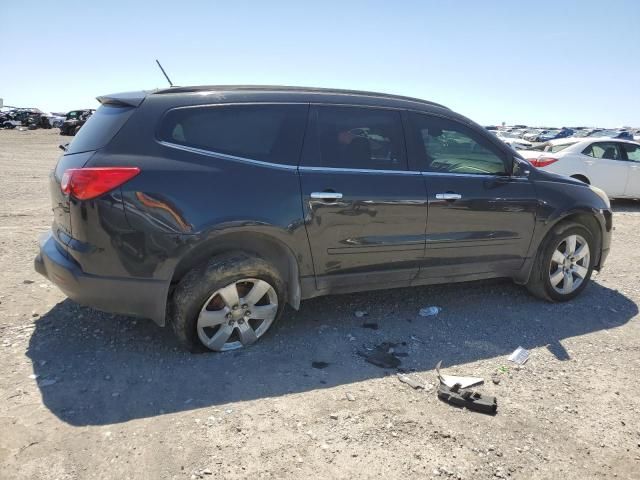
(586, 217)
(582, 178)
(262, 245)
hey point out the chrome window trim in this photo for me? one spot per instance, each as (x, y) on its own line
(356, 170)
(471, 175)
(225, 156)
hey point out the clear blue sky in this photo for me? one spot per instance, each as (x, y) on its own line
(535, 62)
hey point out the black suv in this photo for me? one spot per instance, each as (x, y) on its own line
(210, 208)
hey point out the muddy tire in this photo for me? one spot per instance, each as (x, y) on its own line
(564, 264)
(227, 303)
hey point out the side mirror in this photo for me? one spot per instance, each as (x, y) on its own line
(520, 168)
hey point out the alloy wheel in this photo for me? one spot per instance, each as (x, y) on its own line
(237, 315)
(569, 264)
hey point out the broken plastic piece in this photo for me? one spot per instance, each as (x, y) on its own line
(410, 381)
(451, 380)
(519, 356)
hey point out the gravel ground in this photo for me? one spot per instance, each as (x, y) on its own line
(86, 394)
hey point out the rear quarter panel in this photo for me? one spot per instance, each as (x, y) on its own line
(182, 198)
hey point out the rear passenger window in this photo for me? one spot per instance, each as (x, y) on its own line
(355, 137)
(446, 146)
(270, 133)
(608, 150)
(633, 151)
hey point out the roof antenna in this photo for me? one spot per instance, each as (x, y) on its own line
(164, 73)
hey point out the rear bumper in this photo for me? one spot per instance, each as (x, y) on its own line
(126, 296)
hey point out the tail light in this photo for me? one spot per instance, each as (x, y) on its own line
(88, 183)
(542, 161)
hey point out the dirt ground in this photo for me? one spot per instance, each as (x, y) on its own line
(85, 394)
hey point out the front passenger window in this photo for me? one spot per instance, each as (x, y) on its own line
(451, 147)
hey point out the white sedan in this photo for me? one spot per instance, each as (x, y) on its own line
(610, 164)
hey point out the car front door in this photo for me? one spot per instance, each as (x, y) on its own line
(606, 167)
(365, 211)
(481, 217)
(631, 152)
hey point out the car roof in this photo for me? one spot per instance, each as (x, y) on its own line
(312, 92)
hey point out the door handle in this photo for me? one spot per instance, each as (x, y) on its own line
(448, 196)
(326, 195)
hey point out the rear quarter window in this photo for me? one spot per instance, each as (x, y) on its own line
(269, 133)
(100, 128)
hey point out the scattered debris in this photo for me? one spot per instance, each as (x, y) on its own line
(28, 282)
(464, 382)
(519, 356)
(495, 379)
(451, 380)
(382, 356)
(319, 365)
(410, 381)
(334, 416)
(361, 313)
(350, 396)
(429, 311)
(465, 398)
(370, 325)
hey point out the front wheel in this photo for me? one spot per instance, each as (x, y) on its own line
(227, 304)
(564, 264)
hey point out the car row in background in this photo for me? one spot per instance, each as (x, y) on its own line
(30, 118)
(609, 163)
(33, 118)
(541, 135)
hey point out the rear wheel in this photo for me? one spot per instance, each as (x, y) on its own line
(227, 304)
(564, 264)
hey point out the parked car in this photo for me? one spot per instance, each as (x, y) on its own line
(555, 134)
(623, 134)
(534, 135)
(74, 121)
(23, 117)
(513, 140)
(210, 208)
(608, 163)
(586, 132)
(55, 120)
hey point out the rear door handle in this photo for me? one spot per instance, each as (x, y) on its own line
(448, 196)
(326, 195)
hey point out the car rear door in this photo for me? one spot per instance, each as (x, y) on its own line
(365, 212)
(481, 218)
(631, 152)
(606, 167)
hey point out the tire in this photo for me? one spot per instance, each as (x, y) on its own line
(196, 300)
(546, 269)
